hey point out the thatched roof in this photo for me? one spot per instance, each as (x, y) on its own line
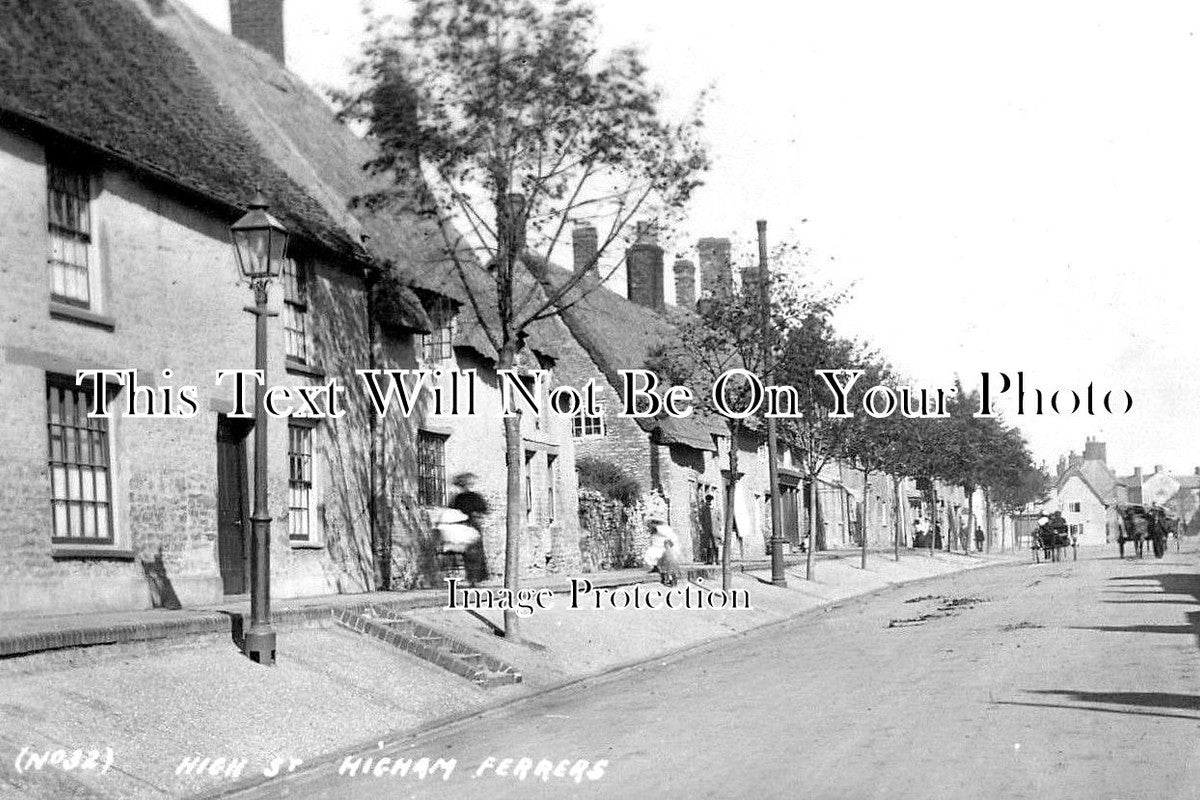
(297, 128)
(96, 74)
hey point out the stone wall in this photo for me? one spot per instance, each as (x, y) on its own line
(168, 299)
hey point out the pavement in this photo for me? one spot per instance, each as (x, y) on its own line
(159, 709)
(24, 634)
(1068, 680)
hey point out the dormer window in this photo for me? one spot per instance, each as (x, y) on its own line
(587, 426)
(437, 346)
(69, 196)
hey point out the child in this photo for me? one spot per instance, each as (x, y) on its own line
(660, 555)
(668, 565)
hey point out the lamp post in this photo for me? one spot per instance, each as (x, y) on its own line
(260, 242)
(778, 576)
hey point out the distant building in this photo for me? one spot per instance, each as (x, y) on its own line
(1177, 493)
(1085, 491)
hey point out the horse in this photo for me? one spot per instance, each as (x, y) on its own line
(1162, 525)
(1136, 529)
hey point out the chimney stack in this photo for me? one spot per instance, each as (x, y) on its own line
(1158, 468)
(685, 283)
(259, 23)
(1137, 473)
(585, 243)
(1095, 451)
(716, 275)
(644, 269)
(750, 282)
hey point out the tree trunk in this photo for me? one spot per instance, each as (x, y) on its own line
(947, 534)
(731, 499)
(812, 526)
(970, 537)
(933, 516)
(987, 519)
(865, 516)
(899, 520)
(514, 507)
(822, 539)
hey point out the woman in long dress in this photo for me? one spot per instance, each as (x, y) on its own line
(471, 503)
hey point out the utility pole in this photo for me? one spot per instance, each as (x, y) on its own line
(778, 577)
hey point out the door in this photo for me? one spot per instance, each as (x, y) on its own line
(703, 545)
(789, 499)
(233, 504)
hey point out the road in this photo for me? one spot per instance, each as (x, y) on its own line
(1025, 681)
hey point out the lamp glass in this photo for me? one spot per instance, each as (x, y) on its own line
(260, 243)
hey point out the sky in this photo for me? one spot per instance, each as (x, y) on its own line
(1006, 187)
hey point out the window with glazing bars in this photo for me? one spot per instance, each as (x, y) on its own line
(431, 469)
(80, 473)
(583, 425)
(300, 491)
(438, 346)
(68, 204)
(295, 310)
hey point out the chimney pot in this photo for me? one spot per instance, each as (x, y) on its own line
(259, 23)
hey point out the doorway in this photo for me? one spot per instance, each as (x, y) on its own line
(233, 504)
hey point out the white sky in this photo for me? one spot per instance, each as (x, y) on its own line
(1010, 186)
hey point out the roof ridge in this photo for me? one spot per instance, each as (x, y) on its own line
(328, 196)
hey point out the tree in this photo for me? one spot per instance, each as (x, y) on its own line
(1012, 481)
(970, 448)
(869, 442)
(809, 347)
(922, 444)
(723, 335)
(497, 118)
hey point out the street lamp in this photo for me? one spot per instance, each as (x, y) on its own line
(778, 576)
(260, 242)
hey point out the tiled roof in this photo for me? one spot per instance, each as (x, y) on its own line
(618, 333)
(97, 73)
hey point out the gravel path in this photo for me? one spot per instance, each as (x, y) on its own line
(157, 705)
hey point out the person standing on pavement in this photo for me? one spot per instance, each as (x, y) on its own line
(918, 532)
(471, 503)
(709, 550)
(662, 554)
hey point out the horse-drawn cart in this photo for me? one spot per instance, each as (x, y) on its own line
(1140, 524)
(1052, 538)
